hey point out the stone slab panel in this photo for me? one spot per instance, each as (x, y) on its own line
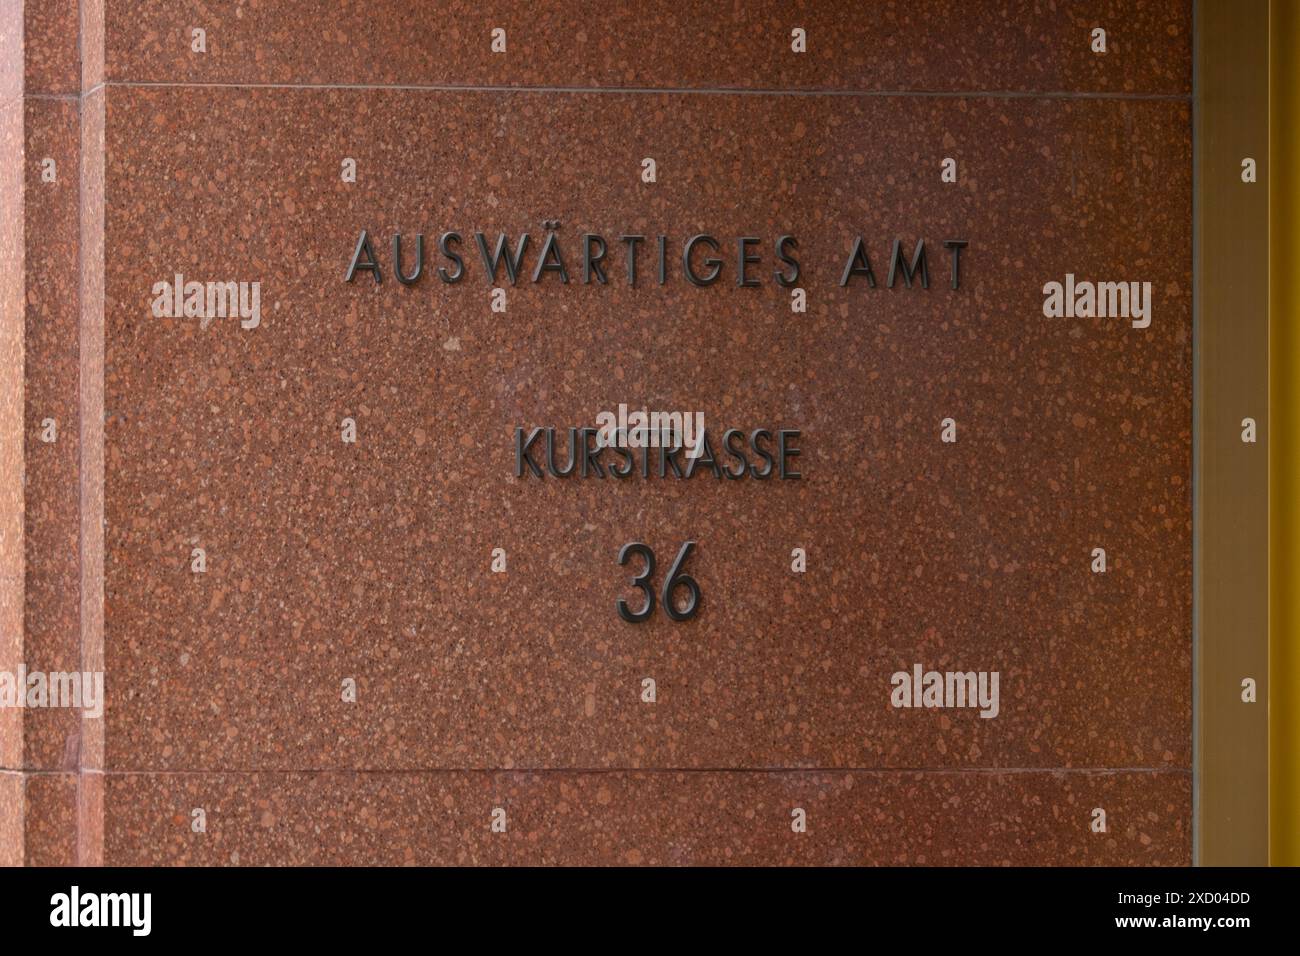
(662, 819)
(52, 447)
(931, 46)
(328, 560)
(51, 46)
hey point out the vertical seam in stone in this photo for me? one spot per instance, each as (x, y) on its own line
(79, 852)
(13, 578)
(90, 453)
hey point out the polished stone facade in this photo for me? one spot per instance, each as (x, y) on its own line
(325, 560)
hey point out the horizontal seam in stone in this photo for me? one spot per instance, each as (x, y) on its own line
(577, 771)
(34, 772)
(648, 90)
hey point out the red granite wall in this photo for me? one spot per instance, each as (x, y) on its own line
(12, 263)
(222, 157)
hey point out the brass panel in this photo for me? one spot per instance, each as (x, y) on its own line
(1231, 474)
(1284, 460)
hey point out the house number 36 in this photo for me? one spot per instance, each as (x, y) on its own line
(676, 579)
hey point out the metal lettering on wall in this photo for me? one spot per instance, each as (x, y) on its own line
(702, 268)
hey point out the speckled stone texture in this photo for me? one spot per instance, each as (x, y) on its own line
(522, 690)
(51, 824)
(377, 555)
(710, 818)
(12, 842)
(12, 261)
(43, 554)
(51, 34)
(948, 45)
(52, 623)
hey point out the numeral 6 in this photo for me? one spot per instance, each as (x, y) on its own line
(677, 579)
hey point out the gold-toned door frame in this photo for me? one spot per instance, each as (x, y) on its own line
(1247, 493)
(1231, 407)
(1284, 451)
